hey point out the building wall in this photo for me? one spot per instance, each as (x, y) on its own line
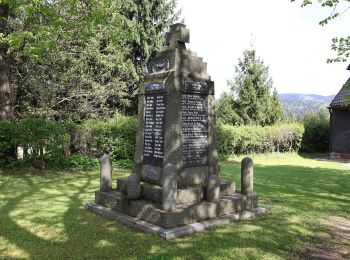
(340, 132)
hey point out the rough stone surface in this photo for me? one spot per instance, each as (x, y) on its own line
(171, 233)
(183, 215)
(169, 193)
(213, 188)
(227, 188)
(250, 201)
(105, 173)
(230, 204)
(133, 186)
(247, 176)
(113, 199)
(122, 185)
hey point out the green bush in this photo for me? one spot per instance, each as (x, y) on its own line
(115, 137)
(316, 135)
(37, 137)
(258, 139)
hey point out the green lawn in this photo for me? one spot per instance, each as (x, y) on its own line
(42, 216)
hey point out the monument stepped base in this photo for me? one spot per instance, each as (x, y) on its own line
(171, 233)
(190, 207)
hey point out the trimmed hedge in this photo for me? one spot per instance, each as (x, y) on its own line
(258, 139)
(115, 137)
(80, 146)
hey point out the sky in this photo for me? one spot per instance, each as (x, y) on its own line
(286, 37)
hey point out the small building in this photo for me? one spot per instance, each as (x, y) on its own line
(339, 108)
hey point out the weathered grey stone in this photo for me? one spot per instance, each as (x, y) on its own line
(122, 185)
(133, 188)
(250, 201)
(230, 204)
(105, 173)
(113, 199)
(247, 176)
(169, 183)
(184, 214)
(189, 194)
(227, 188)
(213, 188)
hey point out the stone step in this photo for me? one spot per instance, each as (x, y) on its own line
(184, 195)
(184, 214)
(236, 203)
(227, 188)
(113, 199)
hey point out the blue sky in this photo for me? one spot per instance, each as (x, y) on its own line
(287, 37)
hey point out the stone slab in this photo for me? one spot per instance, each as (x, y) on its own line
(173, 232)
(227, 188)
(183, 215)
(112, 199)
(154, 192)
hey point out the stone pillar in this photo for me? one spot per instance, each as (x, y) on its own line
(213, 188)
(169, 183)
(105, 173)
(133, 187)
(247, 176)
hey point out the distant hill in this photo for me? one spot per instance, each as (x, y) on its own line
(300, 104)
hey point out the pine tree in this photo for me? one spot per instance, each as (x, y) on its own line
(225, 110)
(251, 87)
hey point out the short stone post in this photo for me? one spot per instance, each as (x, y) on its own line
(247, 176)
(169, 183)
(213, 188)
(105, 173)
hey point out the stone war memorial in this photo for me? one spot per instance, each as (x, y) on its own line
(174, 188)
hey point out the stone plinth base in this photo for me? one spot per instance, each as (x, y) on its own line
(186, 213)
(172, 232)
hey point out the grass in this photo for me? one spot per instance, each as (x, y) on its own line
(42, 217)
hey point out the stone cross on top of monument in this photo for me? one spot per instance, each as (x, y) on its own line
(178, 36)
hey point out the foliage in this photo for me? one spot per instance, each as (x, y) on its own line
(316, 135)
(115, 137)
(251, 91)
(81, 60)
(225, 110)
(77, 161)
(341, 45)
(258, 139)
(37, 137)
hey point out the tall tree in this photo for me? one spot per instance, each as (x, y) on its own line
(341, 45)
(251, 88)
(6, 98)
(74, 59)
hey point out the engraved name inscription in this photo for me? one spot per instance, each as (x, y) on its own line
(155, 107)
(194, 130)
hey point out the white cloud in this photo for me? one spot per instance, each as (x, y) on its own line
(288, 39)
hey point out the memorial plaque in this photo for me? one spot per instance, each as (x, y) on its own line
(196, 86)
(155, 107)
(194, 130)
(155, 86)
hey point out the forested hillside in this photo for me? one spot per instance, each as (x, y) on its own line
(300, 104)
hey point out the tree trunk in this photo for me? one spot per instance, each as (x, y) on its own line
(6, 98)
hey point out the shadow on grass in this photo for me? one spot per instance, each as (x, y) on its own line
(298, 198)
